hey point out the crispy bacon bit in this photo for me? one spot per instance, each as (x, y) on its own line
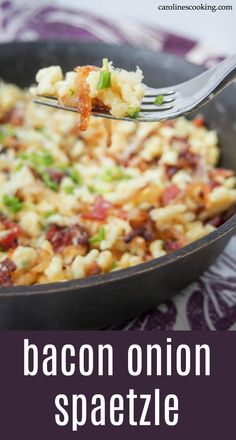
(213, 184)
(99, 106)
(84, 100)
(121, 213)
(216, 221)
(60, 237)
(180, 143)
(143, 165)
(6, 267)
(221, 172)
(170, 170)
(200, 208)
(172, 245)
(99, 211)
(146, 231)
(55, 175)
(138, 218)
(169, 123)
(187, 159)
(173, 239)
(9, 240)
(15, 116)
(199, 121)
(7, 223)
(93, 269)
(169, 194)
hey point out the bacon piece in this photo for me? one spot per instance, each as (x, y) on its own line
(187, 159)
(213, 184)
(221, 172)
(99, 106)
(180, 143)
(171, 245)
(216, 221)
(138, 218)
(99, 211)
(7, 223)
(60, 237)
(146, 231)
(173, 239)
(9, 240)
(170, 170)
(199, 121)
(15, 116)
(55, 175)
(121, 213)
(169, 194)
(200, 208)
(84, 100)
(169, 123)
(93, 269)
(6, 267)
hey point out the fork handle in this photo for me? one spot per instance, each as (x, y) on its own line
(226, 72)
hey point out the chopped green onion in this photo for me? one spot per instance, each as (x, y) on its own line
(12, 203)
(49, 182)
(71, 92)
(47, 158)
(48, 214)
(43, 131)
(68, 189)
(133, 112)
(114, 173)
(74, 175)
(105, 64)
(25, 264)
(101, 235)
(104, 80)
(36, 159)
(19, 167)
(6, 131)
(159, 100)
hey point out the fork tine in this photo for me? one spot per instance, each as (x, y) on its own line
(52, 102)
(147, 100)
(155, 108)
(153, 93)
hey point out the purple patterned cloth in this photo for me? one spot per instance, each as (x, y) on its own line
(210, 303)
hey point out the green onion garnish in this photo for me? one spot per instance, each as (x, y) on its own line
(36, 159)
(25, 264)
(99, 236)
(68, 189)
(74, 175)
(12, 203)
(43, 131)
(49, 182)
(113, 174)
(6, 131)
(104, 80)
(159, 100)
(71, 92)
(133, 112)
(48, 214)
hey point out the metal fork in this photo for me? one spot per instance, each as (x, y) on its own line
(178, 100)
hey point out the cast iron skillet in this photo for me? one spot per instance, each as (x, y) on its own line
(106, 300)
